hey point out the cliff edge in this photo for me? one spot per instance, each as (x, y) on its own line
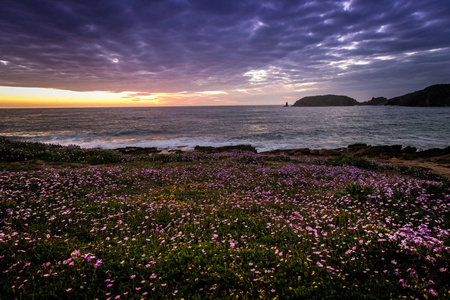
(435, 95)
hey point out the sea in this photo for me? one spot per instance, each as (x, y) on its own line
(264, 127)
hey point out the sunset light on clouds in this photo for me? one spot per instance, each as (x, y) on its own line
(224, 149)
(199, 52)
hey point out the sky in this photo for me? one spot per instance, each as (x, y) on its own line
(211, 52)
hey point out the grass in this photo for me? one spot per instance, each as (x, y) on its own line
(89, 223)
(348, 160)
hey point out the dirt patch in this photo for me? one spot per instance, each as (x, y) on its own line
(437, 165)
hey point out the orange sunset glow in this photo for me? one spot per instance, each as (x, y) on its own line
(14, 97)
(224, 149)
(203, 53)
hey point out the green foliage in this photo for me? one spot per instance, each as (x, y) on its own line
(218, 226)
(349, 160)
(12, 151)
(358, 192)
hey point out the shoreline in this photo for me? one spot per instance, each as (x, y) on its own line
(436, 160)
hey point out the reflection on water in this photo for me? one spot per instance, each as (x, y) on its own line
(265, 127)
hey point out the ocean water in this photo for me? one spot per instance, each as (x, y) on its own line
(264, 127)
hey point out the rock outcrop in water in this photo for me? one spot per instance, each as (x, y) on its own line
(435, 95)
(326, 100)
(376, 101)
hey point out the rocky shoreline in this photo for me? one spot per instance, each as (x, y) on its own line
(437, 160)
(368, 151)
(359, 150)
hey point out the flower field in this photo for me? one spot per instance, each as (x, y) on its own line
(86, 224)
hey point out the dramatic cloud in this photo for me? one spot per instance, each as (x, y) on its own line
(237, 48)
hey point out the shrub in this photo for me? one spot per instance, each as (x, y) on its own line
(349, 160)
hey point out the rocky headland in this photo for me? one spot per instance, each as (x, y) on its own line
(376, 101)
(326, 100)
(435, 95)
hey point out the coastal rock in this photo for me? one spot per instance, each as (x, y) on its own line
(376, 101)
(138, 150)
(385, 151)
(278, 152)
(357, 146)
(329, 152)
(436, 159)
(435, 95)
(291, 152)
(392, 151)
(409, 149)
(326, 100)
(433, 152)
(209, 149)
(302, 151)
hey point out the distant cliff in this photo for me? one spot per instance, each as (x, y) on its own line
(326, 100)
(376, 101)
(435, 95)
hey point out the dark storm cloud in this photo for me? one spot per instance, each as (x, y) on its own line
(170, 46)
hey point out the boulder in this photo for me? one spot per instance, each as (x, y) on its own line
(433, 152)
(329, 152)
(409, 149)
(357, 146)
(385, 151)
(301, 151)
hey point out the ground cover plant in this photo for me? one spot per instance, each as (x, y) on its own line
(218, 226)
